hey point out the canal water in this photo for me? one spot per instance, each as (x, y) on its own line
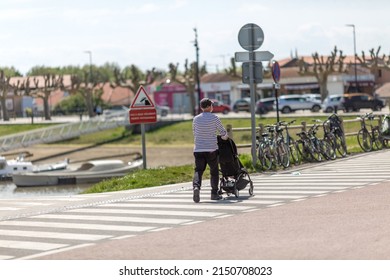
(9, 190)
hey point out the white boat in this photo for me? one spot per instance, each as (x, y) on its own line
(83, 173)
(8, 167)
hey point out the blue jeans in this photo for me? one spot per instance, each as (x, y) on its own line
(202, 159)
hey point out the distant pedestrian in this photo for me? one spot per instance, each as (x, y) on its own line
(205, 127)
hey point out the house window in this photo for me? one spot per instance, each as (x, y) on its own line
(380, 73)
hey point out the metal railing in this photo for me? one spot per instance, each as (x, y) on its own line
(63, 131)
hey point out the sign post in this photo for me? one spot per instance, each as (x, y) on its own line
(275, 87)
(142, 111)
(251, 37)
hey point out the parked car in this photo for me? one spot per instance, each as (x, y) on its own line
(316, 97)
(263, 106)
(332, 103)
(242, 104)
(292, 102)
(162, 111)
(357, 101)
(219, 107)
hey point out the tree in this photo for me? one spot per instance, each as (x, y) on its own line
(375, 62)
(90, 88)
(131, 77)
(187, 79)
(5, 87)
(43, 90)
(322, 67)
(232, 70)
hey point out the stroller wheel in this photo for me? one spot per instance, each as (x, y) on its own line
(251, 189)
(236, 192)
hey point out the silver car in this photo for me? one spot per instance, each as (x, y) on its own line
(293, 102)
(332, 103)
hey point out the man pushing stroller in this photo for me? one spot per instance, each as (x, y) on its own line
(205, 128)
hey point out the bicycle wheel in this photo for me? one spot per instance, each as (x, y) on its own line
(386, 143)
(365, 140)
(264, 156)
(302, 150)
(283, 154)
(340, 145)
(294, 153)
(315, 151)
(377, 138)
(327, 150)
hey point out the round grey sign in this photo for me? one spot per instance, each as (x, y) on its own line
(251, 37)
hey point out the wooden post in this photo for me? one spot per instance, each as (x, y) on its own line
(229, 129)
(304, 126)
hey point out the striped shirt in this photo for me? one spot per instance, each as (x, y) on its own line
(205, 127)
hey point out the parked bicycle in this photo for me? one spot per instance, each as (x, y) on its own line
(334, 132)
(329, 145)
(291, 143)
(313, 148)
(272, 149)
(367, 137)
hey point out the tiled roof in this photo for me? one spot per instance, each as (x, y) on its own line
(218, 78)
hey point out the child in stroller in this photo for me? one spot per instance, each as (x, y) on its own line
(234, 176)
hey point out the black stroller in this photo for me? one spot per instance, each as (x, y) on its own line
(234, 176)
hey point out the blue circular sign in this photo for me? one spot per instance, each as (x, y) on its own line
(275, 71)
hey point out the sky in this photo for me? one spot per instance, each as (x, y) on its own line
(154, 33)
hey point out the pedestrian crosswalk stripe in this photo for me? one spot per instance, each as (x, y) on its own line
(113, 219)
(28, 245)
(54, 235)
(298, 188)
(55, 251)
(198, 206)
(8, 208)
(6, 257)
(76, 225)
(148, 212)
(259, 202)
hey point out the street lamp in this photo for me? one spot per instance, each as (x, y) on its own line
(90, 65)
(354, 49)
(197, 67)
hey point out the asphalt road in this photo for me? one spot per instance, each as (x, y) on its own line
(335, 210)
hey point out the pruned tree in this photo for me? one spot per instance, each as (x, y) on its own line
(375, 61)
(5, 87)
(322, 67)
(232, 70)
(44, 89)
(187, 79)
(90, 89)
(132, 77)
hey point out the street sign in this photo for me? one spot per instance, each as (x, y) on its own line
(258, 72)
(275, 71)
(258, 56)
(142, 110)
(250, 37)
(139, 116)
(142, 100)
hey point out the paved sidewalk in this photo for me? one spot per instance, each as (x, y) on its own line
(353, 225)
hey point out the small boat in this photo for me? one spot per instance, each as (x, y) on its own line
(8, 167)
(87, 172)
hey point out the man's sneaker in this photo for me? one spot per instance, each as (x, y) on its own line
(216, 196)
(196, 195)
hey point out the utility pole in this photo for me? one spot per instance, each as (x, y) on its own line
(355, 54)
(197, 68)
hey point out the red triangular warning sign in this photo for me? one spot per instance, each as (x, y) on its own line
(142, 100)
